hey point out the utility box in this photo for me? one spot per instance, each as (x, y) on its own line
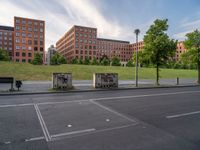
(105, 80)
(62, 81)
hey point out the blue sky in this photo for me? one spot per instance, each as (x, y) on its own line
(114, 19)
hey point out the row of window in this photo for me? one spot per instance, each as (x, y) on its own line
(86, 35)
(86, 46)
(86, 52)
(30, 29)
(29, 35)
(18, 21)
(85, 41)
(23, 60)
(5, 33)
(29, 48)
(87, 30)
(29, 41)
(6, 38)
(23, 54)
(6, 43)
(6, 48)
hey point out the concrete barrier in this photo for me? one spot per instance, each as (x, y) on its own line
(105, 80)
(62, 81)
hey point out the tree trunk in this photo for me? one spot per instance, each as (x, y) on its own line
(198, 68)
(157, 75)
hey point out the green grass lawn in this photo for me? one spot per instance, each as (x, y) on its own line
(22, 71)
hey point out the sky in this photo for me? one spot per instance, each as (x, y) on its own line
(114, 19)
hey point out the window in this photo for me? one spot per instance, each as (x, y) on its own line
(30, 29)
(1, 33)
(35, 42)
(23, 34)
(41, 49)
(85, 35)
(17, 21)
(30, 35)
(35, 35)
(29, 42)
(29, 48)
(23, 21)
(17, 34)
(41, 36)
(90, 41)
(77, 34)
(36, 29)
(23, 28)
(85, 41)
(35, 23)
(41, 30)
(29, 60)
(24, 41)
(23, 54)
(17, 47)
(35, 48)
(77, 46)
(30, 22)
(76, 51)
(17, 28)
(41, 24)
(17, 40)
(41, 42)
(5, 33)
(23, 60)
(5, 38)
(23, 47)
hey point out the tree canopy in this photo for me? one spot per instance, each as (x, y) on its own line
(158, 47)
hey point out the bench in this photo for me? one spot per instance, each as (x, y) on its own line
(8, 80)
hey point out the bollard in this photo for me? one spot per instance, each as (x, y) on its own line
(177, 81)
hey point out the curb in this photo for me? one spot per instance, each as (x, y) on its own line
(95, 90)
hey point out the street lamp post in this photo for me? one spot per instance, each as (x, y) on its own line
(137, 32)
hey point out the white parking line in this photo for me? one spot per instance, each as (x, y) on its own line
(73, 132)
(113, 111)
(184, 114)
(16, 105)
(91, 132)
(42, 123)
(34, 139)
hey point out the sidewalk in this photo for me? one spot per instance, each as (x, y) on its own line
(86, 85)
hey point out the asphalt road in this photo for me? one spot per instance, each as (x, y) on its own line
(143, 119)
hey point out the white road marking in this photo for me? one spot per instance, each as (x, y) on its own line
(113, 111)
(73, 132)
(42, 123)
(99, 99)
(92, 132)
(17, 105)
(8, 142)
(34, 139)
(184, 114)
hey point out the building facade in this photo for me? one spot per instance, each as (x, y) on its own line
(6, 39)
(79, 42)
(29, 38)
(50, 53)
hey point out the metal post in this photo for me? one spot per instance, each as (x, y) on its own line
(137, 31)
(177, 81)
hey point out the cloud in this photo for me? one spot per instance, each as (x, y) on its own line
(61, 15)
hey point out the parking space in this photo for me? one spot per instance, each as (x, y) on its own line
(76, 118)
(19, 124)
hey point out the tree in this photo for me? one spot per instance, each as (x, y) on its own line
(142, 58)
(130, 63)
(4, 55)
(94, 61)
(192, 44)
(115, 61)
(105, 60)
(75, 61)
(80, 61)
(58, 59)
(158, 46)
(87, 61)
(38, 59)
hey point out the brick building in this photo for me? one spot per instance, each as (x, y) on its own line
(112, 48)
(180, 50)
(6, 39)
(79, 42)
(29, 38)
